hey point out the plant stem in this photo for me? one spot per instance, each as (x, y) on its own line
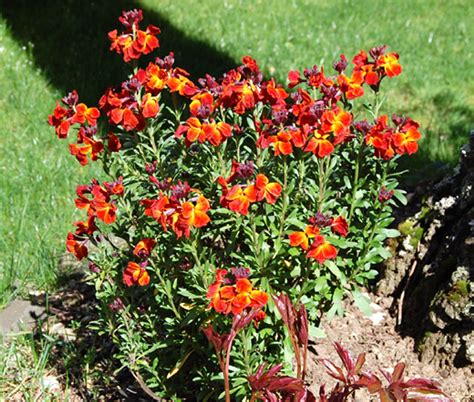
(244, 339)
(355, 183)
(226, 369)
(194, 252)
(256, 244)
(168, 294)
(284, 204)
(323, 173)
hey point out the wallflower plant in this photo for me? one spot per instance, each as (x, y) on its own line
(236, 207)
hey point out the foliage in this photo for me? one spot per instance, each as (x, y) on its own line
(222, 193)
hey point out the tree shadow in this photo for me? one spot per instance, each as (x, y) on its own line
(68, 41)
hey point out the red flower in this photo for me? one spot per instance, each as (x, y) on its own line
(340, 226)
(405, 141)
(321, 250)
(144, 247)
(114, 143)
(89, 147)
(134, 274)
(267, 190)
(75, 247)
(234, 298)
(389, 63)
(319, 145)
(105, 211)
(60, 120)
(84, 113)
(294, 78)
(86, 228)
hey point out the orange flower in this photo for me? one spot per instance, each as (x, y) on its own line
(89, 147)
(352, 87)
(389, 62)
(134, 274)
(105, 211)
(192, 216)
(195, 130)
(267, 190)
(84, 113)
(178, 82)
(144, 247)
(319, 145)
(234, 298)
(301, 239)
(282, 143)
(405, 141)
(150, 106)
(321, 250)
(156, 78)
(336, 121)
(76, 248)
(237, 199)
(146, 41)
(217, 133)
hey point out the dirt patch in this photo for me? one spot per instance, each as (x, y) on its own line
(385, 348)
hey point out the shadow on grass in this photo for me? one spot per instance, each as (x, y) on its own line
(68, 40)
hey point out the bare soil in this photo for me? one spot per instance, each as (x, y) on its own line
(384, 348)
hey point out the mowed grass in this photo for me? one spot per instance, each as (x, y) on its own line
(49, 48)
(37, 176)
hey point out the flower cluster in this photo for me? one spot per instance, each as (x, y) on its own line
(319, 249)
(175, 208)
(97, 200)
(388, 141)
(75, 113)
(234, 293)
(238, 197)
(137, 99)
(133, 42)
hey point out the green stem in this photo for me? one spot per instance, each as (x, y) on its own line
(256, 244)
(284, 206)
(244, 339)
(322, 176)
(195, 254)
(355, 183)
(377, 218)
(168, 294)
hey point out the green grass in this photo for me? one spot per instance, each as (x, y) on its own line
(37, 176)
(49, 48)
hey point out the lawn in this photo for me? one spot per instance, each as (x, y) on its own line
(48, 48)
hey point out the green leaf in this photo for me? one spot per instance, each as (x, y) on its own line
(391, 232)
(316, 332)
(362, 302)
